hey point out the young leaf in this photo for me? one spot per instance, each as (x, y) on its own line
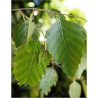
(65, 41)
(27, 67)
(75, 90)
(20, 33)
(48, 81)
(44, 57)
(31, 27)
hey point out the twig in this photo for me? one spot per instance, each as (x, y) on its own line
(57, 65)
(37, 9)
(23, 15)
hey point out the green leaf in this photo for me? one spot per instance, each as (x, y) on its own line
(54, 15)
(44, 57)
(20, 33)
(27, 67)
(75, 90)
(48, 81)
(35, 34)
(65, 42)
(83, 64)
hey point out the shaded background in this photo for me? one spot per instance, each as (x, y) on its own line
(43, 21)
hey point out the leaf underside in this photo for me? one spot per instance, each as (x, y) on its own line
(28, 69)
(65, 44)
(48, 81)
(75, 90)
(83, 64)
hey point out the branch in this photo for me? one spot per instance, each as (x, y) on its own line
(37, 9)
(53, 63)
(24, 15)
(57, 65)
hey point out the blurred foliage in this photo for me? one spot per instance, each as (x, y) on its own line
(75, 89)
(78, 13)
(43, 21)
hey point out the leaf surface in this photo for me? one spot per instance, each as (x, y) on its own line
(75, 90)
(65, 44)
(27, 67)
(83, 64)
(20, 33)
(23, 31)
(48, 81)
(35, 34)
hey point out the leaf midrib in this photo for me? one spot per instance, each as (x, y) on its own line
(31, 66)
(64, 42)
